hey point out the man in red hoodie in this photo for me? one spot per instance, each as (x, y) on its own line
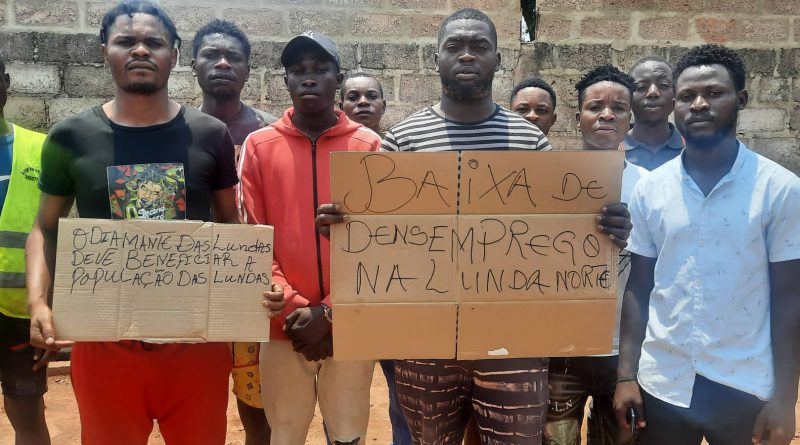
(285, 174)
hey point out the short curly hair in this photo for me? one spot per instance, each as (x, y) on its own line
(534, 83)
(224, 27)
(711, 54)
(131, 7)
(603, 73)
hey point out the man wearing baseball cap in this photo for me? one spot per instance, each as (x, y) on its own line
(285, 175)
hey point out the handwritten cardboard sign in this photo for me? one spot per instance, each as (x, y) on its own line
(161, 281)
(515, 269)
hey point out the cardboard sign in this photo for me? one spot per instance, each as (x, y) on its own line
(395, 183)
(512, 271)
(161, 281)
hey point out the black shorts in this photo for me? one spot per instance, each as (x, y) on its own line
(17, 377)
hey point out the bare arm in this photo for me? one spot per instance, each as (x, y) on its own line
(776, 422)
(40, 259)
(633, 325)
(223, 204)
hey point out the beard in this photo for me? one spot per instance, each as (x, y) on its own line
(138, 87)
(713, 139)
(456, 90)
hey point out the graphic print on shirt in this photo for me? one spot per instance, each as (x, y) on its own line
(147, 191)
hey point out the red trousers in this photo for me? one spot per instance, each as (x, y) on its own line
(122, 387)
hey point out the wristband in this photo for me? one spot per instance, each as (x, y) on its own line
(629, 379)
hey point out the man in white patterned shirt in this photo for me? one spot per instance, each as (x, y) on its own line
(711, 313)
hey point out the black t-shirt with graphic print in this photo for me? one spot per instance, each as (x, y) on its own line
(80, 148)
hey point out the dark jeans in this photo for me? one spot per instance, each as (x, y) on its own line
(572, 381)
(400, 433)
(723, 415)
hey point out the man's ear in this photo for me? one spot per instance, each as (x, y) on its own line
(742, 96)
(194, 64)
(104, 52)
(175, 55)
(578, 119)
(499, 59)
(555, 117)
(247, 73)
(286, 80)
(339, 80)
(384, 107)
(436, 61)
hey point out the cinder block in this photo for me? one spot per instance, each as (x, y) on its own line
(422, 25)
(347, 55)
(501, 88)
(183, 85)
(95, 12)
(773, 89)
(676, 5)
(553, 27)
(256, 22)
(761, 120)
(362, 3)
(714, 30)
(732, 6)
(783, 7)
(420, 88)
(68, 48)
(535, 58)
(2, 12)
(764, 30)
(252, 88)
(30, 112)
(275, 88)
(81, 81)
(266, 54)
(784, 151)
(397, 112)
(377, 24)
(626, 58)
(583, 57)
(628, 5)
(484, 5)
(63, 107)
(509, 58)
(390, 55)
(34, 80)
(605, 28)
(417, 4)
(189, 19)
(568, 5)
(664, 28)
(761, 61)
(46, 13)
(17, 46)
(330, 23)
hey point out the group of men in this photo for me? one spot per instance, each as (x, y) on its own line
(709, 317)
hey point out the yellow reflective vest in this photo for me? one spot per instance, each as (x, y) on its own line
(19, 212)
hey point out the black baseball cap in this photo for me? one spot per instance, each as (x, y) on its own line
(310, 40)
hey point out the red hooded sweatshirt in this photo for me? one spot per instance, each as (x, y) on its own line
(284, 178)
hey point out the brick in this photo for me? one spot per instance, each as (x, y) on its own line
(765, 30)
(716, 30)
(347, 56)
(773, 89)
(17, 45)
(676, 5)
(389, 55)
(417, 4)
(420, 88)
(95, 12)
(626, 58)
(82, 81)
(46, 13)
(483, 5)
(330, 23)
(68, 48)
(35, 80)
(794, 118)
(377, 24)
(583, 57)
(628, 5)
(664, 28)
(183, 85)
(784, 7)
(759, 61)
(605, 28)
(256, 22)
(732, 6)
(30, 112)
(796, 90)
(567, 5)
(760, 120)
(502, 85)
(784, 151)
(397, 112)
(189, 19)
(266, 54)
(63, 107)
(428, 52)
(2, 12)
(421, 25)
(790, 62)
(509, 59)
(275, 89)
(508, 28)
(553, 27)
(367, 3)
(535, 58)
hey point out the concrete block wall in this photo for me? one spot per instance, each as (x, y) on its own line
(575, 35)
(56, 68)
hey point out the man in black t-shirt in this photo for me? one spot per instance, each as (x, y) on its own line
(221, 63)
(177, 163)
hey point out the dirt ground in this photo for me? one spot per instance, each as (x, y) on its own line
(62, 416)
